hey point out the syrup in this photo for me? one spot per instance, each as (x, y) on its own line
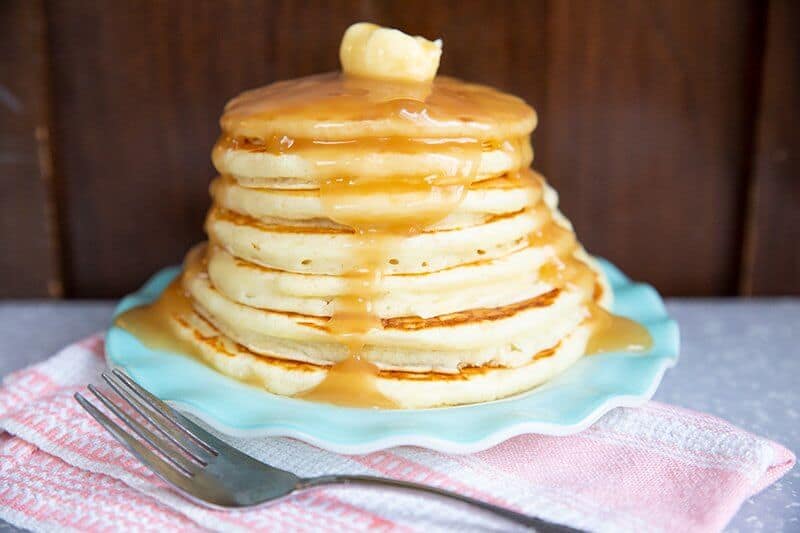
(610, 332)
(346, 201)
(153, 324)
(614, 333)
(321, 103)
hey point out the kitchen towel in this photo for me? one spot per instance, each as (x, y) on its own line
(652, 468)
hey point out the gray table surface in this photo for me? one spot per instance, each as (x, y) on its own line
(740, 360)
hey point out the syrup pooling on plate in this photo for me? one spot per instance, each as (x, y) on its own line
(614, 333)
(152, 323)
(610, 332)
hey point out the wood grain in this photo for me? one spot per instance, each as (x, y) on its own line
(500, 45)
(772, 258)
(647, 123)
(647, 119)
(29, 257)
(139, 92)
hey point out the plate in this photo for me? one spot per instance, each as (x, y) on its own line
(567, 404)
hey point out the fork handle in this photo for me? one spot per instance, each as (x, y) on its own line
(530, 521)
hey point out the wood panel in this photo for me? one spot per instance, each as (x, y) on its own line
(502, 45)
(28, 250)
(772, 258)
(139, 92)
(646, 120)
(648, 126)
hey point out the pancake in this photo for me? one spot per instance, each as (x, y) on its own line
(498, 334)
(479, 284)
(320, 250)
(381, 242)
(331, 107)
(482, 200)
(263, 165)
(472, 327)
(406, 390)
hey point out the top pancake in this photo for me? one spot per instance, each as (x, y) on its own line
(336, 107)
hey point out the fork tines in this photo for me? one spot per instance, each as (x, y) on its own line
(180, 447)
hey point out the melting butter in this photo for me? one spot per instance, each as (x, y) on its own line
(372, 51)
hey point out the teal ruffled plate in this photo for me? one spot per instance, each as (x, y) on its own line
(567, 404)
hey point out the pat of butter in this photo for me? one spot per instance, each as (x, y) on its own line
(371, 51)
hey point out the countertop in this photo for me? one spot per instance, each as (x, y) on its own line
(740, 360)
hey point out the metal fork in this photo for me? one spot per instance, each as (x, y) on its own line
(212, 473)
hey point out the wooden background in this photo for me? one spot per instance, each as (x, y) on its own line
(669, 127)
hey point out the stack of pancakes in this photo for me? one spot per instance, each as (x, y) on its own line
(408, 216)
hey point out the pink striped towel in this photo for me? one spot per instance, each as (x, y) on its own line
(652, 468)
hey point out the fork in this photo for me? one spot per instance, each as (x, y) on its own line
(210, 472)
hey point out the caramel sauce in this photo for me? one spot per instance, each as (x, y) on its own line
(614, 333)
(324, 103)
(338, 158)
(370, 206)
(153, 325)
(283, 144)
(350, 383)
(610, 332)
(347, 201)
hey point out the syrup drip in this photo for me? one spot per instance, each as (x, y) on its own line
(610, 332)
(351, 201)
(152, 324)
(350, 382)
